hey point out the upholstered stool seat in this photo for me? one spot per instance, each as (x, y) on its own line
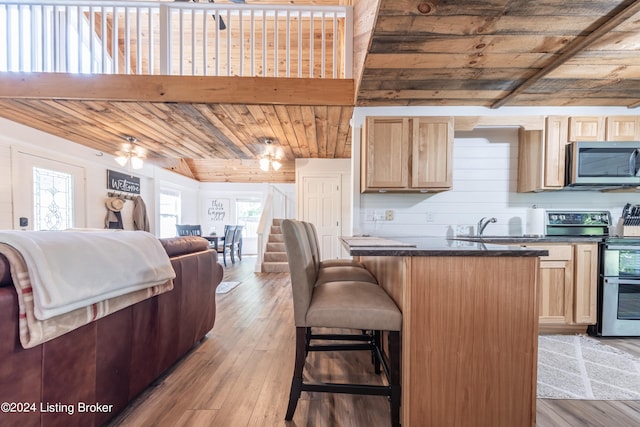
(353, 305)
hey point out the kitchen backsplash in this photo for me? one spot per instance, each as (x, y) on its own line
(484, 185)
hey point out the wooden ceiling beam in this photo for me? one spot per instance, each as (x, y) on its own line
(575, 47)
(191, 89)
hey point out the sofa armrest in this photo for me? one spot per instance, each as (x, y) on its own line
(176, 246)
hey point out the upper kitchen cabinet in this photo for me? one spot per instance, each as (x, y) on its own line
(623, 128)
(586, 128)
(385, 153)
(407, 154)
(541, 156)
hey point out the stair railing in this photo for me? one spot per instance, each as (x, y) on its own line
(277, 205)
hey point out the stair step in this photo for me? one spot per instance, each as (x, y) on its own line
(276, 238)
(275, 267)
(275, 257)
(276, 229)
(275, 247)
(277, 221)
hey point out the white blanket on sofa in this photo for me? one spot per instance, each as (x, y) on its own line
(73, 269)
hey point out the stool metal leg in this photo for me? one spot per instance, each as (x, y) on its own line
(394, 377)
(296, 382)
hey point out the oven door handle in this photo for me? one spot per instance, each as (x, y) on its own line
(619, 281)
(632, 163)
(621, 247)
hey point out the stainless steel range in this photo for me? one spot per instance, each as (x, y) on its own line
(619, 285)
(619, 288)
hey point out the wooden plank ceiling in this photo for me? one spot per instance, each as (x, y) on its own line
(504, 52)
(421, 52)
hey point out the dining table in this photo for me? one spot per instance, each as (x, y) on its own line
(214, 239)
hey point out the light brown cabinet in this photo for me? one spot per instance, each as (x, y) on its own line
(541, 156)
(407, 154)
(568, 284)
(623, 128)
(556, 286)
(586, 283)
(586, 128)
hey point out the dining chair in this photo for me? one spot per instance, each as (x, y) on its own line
(226, 245)
(188, 230)
(237, 243)
(363, 307)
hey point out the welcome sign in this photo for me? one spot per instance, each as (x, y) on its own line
(118, 181)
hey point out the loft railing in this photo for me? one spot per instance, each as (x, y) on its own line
(166, 38)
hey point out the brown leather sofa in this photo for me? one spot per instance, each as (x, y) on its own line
(96, 370)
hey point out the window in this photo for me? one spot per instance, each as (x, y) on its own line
(52, 199)
(169, 212)
(248, 214)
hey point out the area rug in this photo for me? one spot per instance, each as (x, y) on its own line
(225, 287)
(580, 367)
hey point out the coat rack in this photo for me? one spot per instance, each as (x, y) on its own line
(120, 195)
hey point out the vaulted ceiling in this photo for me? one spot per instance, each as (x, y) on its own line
(489, 53)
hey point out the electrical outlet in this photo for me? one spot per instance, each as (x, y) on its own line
(388, 215)
(429, 216)
(378, 215)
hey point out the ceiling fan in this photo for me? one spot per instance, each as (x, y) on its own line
(221, 25)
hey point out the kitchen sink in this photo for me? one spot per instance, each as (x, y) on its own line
(502, 238)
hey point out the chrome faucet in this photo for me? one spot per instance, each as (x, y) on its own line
(482, 224)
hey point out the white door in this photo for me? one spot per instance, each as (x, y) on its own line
(321, 207)
(49, 194)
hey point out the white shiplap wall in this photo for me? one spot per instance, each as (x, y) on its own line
(484, 184)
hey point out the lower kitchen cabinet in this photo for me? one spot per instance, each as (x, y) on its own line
(586, 283)
(567, 284)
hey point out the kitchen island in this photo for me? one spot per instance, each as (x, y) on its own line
(470, 327)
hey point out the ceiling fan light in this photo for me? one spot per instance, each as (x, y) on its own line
(121, 160)
(264, 164)
(276, 165)
(137, 163)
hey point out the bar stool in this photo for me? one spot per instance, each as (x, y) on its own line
(344, 304)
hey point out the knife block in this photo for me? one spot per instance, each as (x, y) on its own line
(631, 230)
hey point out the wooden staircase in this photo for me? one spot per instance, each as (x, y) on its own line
(275, 256)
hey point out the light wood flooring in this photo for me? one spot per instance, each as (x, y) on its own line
(240, 374)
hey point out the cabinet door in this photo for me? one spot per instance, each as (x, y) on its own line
(586, 128)
(432, 152)
(385, 153)
(554, 153)
(530, 160)
(623, 128)
(555, 285)
(586, 283)
(556, 292)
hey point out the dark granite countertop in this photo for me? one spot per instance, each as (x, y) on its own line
(440, 246)
(531, 239)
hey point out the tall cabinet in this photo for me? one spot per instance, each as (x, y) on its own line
(407, 154)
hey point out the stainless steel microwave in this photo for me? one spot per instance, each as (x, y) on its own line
(606, 163)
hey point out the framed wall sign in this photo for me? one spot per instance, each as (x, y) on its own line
(217, 209)
(123, 182)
